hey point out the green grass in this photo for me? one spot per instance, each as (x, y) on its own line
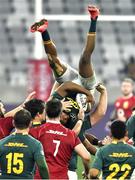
(80, 167)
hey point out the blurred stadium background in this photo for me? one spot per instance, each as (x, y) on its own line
(113, 57)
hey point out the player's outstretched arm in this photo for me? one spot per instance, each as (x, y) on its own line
(101, 108)
(13, 111)
(66, 87)
(91, 148)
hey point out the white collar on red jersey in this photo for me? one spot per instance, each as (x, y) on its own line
(53, 121)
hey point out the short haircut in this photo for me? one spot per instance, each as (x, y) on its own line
(118, 129)
(53, 108)
(128, 80)
(35, 106)
(22, 119)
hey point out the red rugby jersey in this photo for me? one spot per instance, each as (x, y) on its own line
(58, 143)
(124, 106)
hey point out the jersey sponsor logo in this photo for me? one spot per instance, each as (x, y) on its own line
(125, 105)
(12, 144)
(73, 103)
(73, 117)
(56, 132)
(120, 155)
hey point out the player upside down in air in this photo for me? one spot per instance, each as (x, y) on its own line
(86, 75)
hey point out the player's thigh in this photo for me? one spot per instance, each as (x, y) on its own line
(88, 83)
(69, 75)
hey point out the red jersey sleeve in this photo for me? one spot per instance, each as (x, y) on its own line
(34, 132)
(6, 126)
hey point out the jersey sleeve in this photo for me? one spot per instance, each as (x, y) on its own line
(98, 161)
(34, 132)
(57, 96)
(40, 161)
(76, 140)
(6, 125)
(130, 126)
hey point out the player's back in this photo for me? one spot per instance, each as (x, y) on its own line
(17, 153)
(119, 160)
(58, 143)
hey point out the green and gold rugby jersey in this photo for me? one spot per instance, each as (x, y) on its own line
(18, 154)
(116, 160)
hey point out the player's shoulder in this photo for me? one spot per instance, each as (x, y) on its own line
(133, 97)
(71, 133)
(32, 140)
(120, 98)
(5, 139)
(6, 118)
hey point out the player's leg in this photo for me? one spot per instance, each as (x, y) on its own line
(62, 71)
(55, 63)
(86, 70)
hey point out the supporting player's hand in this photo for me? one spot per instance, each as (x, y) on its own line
(100, 88)
(66, 105)
(29, 97)
(81, 114)
(107, 140)
(84, 175)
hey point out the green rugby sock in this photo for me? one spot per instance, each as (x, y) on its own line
(46, 36)
(92, 28)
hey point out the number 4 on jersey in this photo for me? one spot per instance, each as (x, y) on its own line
(57, 147)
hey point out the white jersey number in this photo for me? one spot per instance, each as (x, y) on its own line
(57, 146)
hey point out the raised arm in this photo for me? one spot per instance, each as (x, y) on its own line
(13, 111)
(101, 108)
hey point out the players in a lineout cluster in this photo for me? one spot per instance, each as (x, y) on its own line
(52, 134)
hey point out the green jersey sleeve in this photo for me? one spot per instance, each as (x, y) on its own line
(57, 96)
(130, 126)
(40, 161)
(98, 161)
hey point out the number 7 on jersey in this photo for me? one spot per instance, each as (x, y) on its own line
(57, 147)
